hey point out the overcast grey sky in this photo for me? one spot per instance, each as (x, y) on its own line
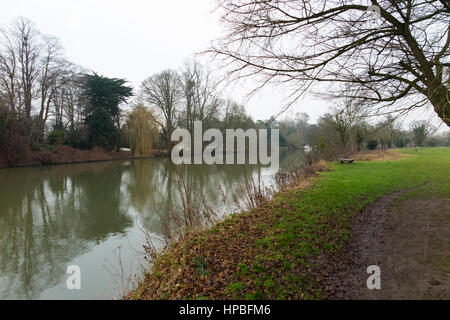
(135, 38)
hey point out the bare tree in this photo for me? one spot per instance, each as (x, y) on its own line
(19, 65)
(55, 72)
(201, 95)
(28, 48)
(163, 92)
(32, 70)
(71, 102)
(392, 66)
(9, 74)
(344, 120)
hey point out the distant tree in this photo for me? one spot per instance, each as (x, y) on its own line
(392, 62)
(269, 125)
(55, 73)
(361, 132)
(421, 130)
(432, 142)
(283, 141)
(200, 94)
(163, 92)
(372, 144)
(401, 138)
(31, 70)
(106, 93)
(68, 102)
(143, 130)
(296, 130)
(385, 131)
(343, 120)
(102, 97)
(235, 117)
(20, 58)
(4, 122)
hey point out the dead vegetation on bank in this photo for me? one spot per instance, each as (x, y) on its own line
(203, 257)
(66, 155)
(374, 155)
(202, 264)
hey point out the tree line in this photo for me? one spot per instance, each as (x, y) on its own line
(341, 132)
(45, 100)
(393, 62)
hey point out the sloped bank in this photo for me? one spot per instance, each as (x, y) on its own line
(272, 252)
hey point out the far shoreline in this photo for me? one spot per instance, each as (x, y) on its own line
(64, 155)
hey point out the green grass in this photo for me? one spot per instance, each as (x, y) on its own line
(376, 178)
(275, 246)
(353, 186)
(317, 220)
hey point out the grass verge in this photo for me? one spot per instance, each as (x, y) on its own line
(267, 253)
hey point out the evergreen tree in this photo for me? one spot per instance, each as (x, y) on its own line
(103, 97)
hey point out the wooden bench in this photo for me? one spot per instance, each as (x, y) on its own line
(344, 160)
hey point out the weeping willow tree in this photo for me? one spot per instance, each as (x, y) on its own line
(143, 130)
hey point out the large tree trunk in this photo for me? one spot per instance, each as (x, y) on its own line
(441, 103)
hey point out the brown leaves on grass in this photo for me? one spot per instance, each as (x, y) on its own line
(204, 264)
(237, 258)
(372, 155)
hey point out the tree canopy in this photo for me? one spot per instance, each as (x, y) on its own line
(397, 64)
(106, 93)
(103, 97)
(142, 130)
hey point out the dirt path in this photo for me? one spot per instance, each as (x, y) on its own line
(410, 242)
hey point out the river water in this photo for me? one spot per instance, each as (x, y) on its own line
(95, 216)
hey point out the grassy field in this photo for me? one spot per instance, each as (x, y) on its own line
(271, 252)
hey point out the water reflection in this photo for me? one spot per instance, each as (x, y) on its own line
(51, 217)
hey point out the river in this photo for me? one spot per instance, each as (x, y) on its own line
(95, 216)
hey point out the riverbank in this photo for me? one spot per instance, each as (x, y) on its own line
(67, 155)
(282, 249)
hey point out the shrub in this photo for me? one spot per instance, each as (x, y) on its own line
(78, 138)
(14, 146)
(4, 116)
(56, 137)
(372, 144)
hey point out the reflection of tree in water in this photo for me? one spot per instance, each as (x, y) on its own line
(51, 215)
(146, 188)
(100, 210)
(153, 191)
(288, 157)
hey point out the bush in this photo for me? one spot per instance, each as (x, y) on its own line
(56, 137)
(13, 143)
(78, 138)
(372, 144)
(4, 116)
